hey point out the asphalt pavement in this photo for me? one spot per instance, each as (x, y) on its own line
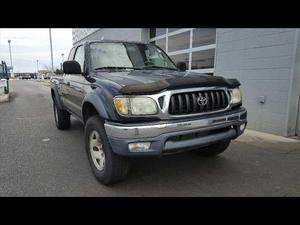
(37, 159)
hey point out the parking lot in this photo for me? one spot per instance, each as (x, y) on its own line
(37, 159)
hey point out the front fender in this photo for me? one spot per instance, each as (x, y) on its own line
(101, 100)
(55, 94)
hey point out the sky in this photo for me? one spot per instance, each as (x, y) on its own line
(30, 45)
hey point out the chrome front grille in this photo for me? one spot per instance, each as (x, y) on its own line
(198, 102)
(180, 103)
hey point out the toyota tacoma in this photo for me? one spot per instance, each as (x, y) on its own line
(134, 101)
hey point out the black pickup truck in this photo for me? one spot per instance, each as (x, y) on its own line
(134, 101)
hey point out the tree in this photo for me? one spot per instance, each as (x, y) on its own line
(56, 69)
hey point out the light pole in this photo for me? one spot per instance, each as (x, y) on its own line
(37, 67)
(62, 60)
(51, 50)
(12, 73)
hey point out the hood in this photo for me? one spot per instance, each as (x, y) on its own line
(152, 81)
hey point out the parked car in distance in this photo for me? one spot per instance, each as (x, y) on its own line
(40, 77)
(49, 76)
(135, 102)
(26, 77)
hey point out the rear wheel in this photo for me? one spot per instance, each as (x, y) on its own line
(213, 149)
(61, 117)
(107, 167)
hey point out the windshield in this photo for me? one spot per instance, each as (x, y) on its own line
(129, 56)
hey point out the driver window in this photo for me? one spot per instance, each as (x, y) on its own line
(79, 56)
(71, 55)
(155, 57)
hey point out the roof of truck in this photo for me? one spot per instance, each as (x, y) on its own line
(109, 41)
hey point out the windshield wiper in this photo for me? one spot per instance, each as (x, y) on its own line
(158, 67)
(117, 67)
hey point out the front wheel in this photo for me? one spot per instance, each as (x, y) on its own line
(107, 167)
(213, 149)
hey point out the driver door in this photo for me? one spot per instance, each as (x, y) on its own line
(73, 92)
(75, 84)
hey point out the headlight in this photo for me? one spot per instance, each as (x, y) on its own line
(143, 106)
(135, 105)
(236, 96)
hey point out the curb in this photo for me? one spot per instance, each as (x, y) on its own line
(4, 98)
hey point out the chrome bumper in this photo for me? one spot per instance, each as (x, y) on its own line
(153, 130)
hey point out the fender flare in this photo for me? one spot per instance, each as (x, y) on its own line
(98, 104)
(54, 94)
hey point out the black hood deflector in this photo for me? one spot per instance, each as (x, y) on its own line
(179, 83)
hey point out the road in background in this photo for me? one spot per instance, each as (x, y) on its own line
(37, 159)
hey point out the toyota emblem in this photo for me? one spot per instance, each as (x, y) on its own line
(202, 101)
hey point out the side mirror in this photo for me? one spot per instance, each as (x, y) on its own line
(181, 66)
(71, 67)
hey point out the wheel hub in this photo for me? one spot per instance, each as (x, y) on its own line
(96, 150)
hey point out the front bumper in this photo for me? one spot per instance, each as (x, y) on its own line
(169, 137)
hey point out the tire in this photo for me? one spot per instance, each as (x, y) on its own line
(213, 149)
(108, 168)
(61, 117)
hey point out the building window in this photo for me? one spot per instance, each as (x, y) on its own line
(194, 46)
(154, 32)
(181, 58)
(172, 29)
(179, 42)
(203, 59)
(161, 43)
(203, 37)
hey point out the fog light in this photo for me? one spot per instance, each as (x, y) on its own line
(139, 146)
(242, 127)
